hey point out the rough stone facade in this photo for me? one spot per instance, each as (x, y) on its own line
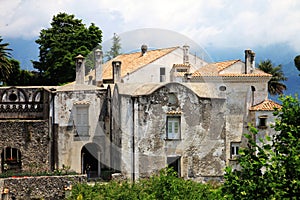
(31, 138)
(26, 141)
(41, 187)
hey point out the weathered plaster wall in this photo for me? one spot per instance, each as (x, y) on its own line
(69, 144)
(239, 98)
(263, 132)
(31, 137)
(201, 147)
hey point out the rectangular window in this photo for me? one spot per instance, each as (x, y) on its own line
(235, 146)
(174, 163)
(82, 120)
(162, 74)
(173, 128)
(262, 122)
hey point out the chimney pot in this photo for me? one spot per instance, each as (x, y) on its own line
(79, 69)
(249, 61)
(186, 49)
(98, 67)
(116, 71)
(144, 49)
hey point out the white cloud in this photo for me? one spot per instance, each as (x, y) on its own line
(217, 22)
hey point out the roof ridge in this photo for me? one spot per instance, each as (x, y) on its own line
(266, 105)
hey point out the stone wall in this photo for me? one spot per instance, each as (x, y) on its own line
(31, 138)
(40, 187)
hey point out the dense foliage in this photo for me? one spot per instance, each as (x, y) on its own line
(60, 44)
(270, 170)
(5, 64)
(166, 185)
(20, 77)
(275, 85)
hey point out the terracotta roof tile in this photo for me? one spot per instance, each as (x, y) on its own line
(214, 69)
(247, 75)
(181, 65)
(133, 61)
(174, 112)
(266, 105)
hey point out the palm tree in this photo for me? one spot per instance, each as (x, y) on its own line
(275, 85)
(5, 64)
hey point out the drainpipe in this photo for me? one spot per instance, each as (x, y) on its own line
(133, 134)
(53, 93)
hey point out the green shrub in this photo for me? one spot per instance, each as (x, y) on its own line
(166, 185)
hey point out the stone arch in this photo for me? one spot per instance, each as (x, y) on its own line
(11, 159)
(38, 96)
(91, 160)
(13, 94)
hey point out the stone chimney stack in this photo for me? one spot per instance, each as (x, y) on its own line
(116, 71)
(98, 67)
(186, 49)
(144, 49)
(79, 60)
(249, 61)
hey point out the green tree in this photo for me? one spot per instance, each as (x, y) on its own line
(297, 62)
(19, 77)
(270, 171)
(5, 64)
(115, 48)
(60, 44)
(275, 85)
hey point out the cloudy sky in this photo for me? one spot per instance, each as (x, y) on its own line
(213, 23)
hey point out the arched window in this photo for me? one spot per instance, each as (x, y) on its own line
(11, 159)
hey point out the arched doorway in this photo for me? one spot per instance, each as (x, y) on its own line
(11, 160)
(90, 160)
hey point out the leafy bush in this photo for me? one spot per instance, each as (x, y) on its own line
(270, 171)
(166, 185)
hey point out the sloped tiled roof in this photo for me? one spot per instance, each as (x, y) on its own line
(266, 105)
(133, 61)
(181, 65)
(214, 69)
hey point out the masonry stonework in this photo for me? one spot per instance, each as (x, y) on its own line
(31, 138)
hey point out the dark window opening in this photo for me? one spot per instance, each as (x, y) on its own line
(174, 163)
(262, 122)
(234, 149)
(11, 160)
(12, 97)
(222, 88)
(162, 74)
(182, 70)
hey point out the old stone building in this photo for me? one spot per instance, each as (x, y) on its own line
(26, 129)
(137, 114)
(194, 123)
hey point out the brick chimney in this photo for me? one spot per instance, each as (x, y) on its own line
(79, 60)
(98, 67)
(249, 61)
(186, 49)
(116, 71)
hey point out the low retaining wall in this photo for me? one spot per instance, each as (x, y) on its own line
(39, 187)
